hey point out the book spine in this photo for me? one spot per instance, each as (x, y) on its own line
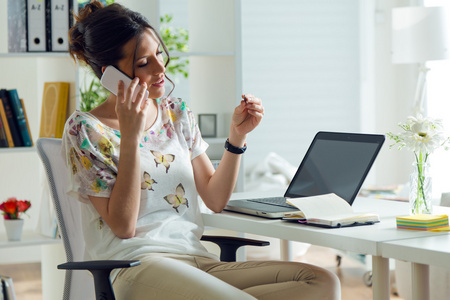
(20, 117)
(62, 109)
(26, 120)
(6, 125)
(54, 109)
(11, 120)
(3, 138)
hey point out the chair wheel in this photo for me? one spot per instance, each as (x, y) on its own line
(367, 277)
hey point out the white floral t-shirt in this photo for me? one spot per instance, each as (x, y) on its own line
(169, 218)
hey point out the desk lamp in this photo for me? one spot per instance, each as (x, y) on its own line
(420, 34)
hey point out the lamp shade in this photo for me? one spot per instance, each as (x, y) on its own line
(420, 34)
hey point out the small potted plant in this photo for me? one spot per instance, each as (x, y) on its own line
(12, 208)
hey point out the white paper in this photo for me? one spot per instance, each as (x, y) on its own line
(323, 206)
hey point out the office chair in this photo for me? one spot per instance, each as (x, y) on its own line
(79, 285)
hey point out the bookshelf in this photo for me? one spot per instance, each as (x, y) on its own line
(214, 84)
(29, 238)
(33, 54)
(21, 173)
(17, 150)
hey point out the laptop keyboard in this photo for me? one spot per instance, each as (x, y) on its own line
(277, 201)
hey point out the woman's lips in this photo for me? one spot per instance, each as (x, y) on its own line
(159, 84)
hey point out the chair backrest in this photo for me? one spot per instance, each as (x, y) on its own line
(77, 284)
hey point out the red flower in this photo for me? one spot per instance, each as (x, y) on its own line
(12, 207)
(23, 205)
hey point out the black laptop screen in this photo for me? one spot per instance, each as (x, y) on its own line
(335, 163)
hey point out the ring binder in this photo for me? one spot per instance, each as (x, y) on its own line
(60, 22)
(36, 25)
(17, 26)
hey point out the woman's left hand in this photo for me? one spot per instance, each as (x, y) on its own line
(247, 115)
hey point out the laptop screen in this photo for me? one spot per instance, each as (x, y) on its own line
(335, 163)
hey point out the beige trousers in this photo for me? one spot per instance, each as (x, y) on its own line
(171, 276)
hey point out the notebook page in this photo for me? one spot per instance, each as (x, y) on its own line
(322, 206)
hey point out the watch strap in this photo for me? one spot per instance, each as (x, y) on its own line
(233, 149)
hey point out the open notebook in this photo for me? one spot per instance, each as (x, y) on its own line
(328, 210)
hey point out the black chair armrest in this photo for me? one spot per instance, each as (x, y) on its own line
(99, 264)
(229, 245)
(100, 269)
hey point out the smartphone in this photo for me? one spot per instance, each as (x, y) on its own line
(110, 80)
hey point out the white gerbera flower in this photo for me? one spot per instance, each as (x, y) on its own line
(421, 135)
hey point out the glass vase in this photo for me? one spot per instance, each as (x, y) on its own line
(420, 189)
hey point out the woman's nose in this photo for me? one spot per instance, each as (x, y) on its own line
(159, 67)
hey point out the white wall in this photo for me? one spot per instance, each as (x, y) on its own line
(394, 87)
(302, 59)
(325, 66)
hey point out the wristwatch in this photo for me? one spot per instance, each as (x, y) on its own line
(234, 149)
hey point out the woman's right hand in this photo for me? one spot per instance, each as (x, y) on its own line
(120, 210)
(132, 115)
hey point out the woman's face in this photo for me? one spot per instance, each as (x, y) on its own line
(148, 62)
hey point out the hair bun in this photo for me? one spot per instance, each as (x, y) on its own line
(87, 10)
(93, 6)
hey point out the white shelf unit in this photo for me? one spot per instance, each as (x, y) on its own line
(215, 85)
(215, 67)
(29, 238)
(21, 173)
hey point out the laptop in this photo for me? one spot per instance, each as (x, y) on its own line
(335, 162)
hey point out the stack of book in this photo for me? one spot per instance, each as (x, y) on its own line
(423, 222)
(14, 126)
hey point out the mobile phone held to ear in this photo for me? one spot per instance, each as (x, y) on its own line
(110, 80)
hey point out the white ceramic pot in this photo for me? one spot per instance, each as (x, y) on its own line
(14, 229)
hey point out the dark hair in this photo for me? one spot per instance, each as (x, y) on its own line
(100, 32)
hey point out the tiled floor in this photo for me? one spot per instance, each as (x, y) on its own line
(27, 281)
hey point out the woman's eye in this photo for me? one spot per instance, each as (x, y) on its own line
(159, 53)
(142, 65)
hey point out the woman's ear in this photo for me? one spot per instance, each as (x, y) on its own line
(103, 69)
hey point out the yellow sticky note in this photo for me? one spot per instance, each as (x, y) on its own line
(447, 228)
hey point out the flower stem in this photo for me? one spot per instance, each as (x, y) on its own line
(420, 198)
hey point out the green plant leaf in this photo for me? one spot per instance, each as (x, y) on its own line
(92, 96)
(175, 39)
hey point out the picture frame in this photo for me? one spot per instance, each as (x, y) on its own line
(208, 125)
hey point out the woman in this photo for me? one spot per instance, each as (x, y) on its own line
(138, 166)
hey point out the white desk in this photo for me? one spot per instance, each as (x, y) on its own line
(422, 252)
(360, 239)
